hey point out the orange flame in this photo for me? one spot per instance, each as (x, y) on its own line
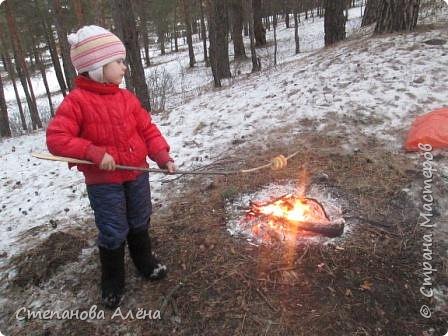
(282, 216)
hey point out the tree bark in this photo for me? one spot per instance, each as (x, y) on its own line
(204, 35)
(236, 14)
(125, 13)
(12, 75)
(274, 25)
(176, 45)
(51, 45)
(5, 129)
(259, 30)
(296, 31)
(79, 12)
(43, 73)
(286, 13)
(64, 46)
(187, 20)
(334, 22)
(22, 69)
(371, 12)
(118, 25)
(397, 15)
(256, 66)
(144, 31)
(219, 49)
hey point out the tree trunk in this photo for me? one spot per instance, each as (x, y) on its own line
(296, 31)
(212, 41)
(22, 69)
(118, 30)
(144, 31)
(259, 30)
(64, 46)
(219, 49)
(187, 18)
(334, 22)
(286, 13)
(274, 25)
(204, 34)
(11, 72)
(43, 73)
(246, 28)
(176, 45)
(161, 37)
(51, 45)
(124, 12)
(145, 42)
(100, 13)
(397, 15)
(371, 12)
(256, 66)
(194, 26)
(79, 12)
(12, 75)
(5, 129)
(236, 10)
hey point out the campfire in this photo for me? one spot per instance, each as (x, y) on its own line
(288, 217)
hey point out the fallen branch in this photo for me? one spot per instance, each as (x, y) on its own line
(168, 298)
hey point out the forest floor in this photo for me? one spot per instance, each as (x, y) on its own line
(364, 284)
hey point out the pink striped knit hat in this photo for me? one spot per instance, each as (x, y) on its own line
(92, 47)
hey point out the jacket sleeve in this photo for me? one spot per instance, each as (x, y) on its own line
(156, 144)
(63, 135)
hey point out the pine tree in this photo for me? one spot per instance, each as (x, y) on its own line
(334, 22)
(21, 66)
(64, 46)
(125, 14)
(187, 20)
(236, 16)
(219, 49)
(371, 12)
(397, 15)
(5, 129)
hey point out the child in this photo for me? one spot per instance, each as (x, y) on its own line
(102, 123)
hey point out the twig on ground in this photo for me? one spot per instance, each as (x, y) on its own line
(168, 298)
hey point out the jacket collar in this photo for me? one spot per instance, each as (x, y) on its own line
(88, 84)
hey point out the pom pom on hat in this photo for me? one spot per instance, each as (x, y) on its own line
(93, 46)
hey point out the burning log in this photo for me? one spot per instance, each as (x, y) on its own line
(326, 229)
(292, 215)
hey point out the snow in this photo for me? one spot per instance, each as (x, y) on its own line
(382, 83)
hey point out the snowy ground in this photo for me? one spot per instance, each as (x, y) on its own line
(365, 86)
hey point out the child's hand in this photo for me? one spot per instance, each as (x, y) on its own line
(171, 167)
(108, 162)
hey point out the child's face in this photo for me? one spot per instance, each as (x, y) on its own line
(113, 72)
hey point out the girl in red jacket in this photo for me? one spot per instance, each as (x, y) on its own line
(100, 122)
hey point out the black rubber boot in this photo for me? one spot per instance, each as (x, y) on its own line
(112, 276)
(146, 262)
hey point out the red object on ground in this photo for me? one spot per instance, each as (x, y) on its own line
(430, 128)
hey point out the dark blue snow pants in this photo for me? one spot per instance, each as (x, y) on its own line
(120, 209)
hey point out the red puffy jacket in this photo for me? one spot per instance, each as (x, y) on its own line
(96, 118)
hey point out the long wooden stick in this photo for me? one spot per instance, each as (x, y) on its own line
(47, 156)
